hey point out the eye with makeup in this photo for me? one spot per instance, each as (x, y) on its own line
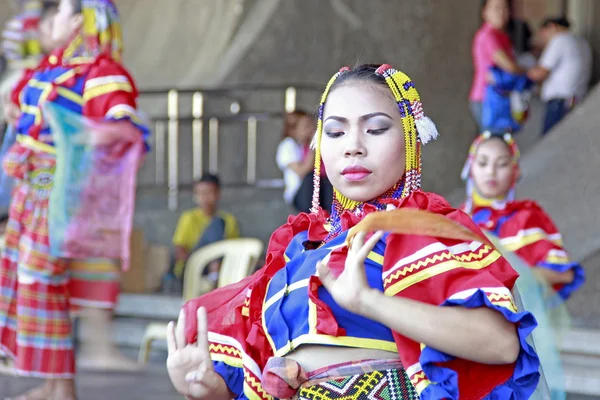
(334, 134)
(504, 162)
(333, 130)
(378, 131)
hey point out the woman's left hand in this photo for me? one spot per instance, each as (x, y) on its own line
(350, 287)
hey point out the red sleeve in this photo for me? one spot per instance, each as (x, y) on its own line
(446, 272)
(109, 91)
(532, 235)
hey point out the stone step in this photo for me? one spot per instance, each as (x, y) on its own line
(584, 380)
(582, 341)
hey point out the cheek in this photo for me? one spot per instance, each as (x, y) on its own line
(477, 174)
(506, 176)
(388, 157)
(328, 152)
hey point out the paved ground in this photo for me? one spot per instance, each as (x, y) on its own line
(151, 384)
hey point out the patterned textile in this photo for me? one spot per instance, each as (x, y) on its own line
(35, 327)
(94, 283)
(390, 384)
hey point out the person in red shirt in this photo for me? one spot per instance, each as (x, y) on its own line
(491, 47)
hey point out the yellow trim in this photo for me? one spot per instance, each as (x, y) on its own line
(31, 143)
(286, 258)
(346, 341)
(31, 110)
(134, 118)
(80, 60)
(66, 76)
(70, 95)
(525, 241)
(253, 394)
(422, 385)
(377, 258)
(38, 84)
(427, 262)
(557, 260)
(229, 360)
(41, 100)
(105, 89)
(440, 269)
(509, 305)
(264, 324)
(312, 312)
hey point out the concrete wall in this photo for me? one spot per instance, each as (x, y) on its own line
(308, 40)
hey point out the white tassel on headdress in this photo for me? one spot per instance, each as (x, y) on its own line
(313, 142)
(426, 129)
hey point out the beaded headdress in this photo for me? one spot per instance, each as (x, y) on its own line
(418, 130)
(101, 31)
(473, 196)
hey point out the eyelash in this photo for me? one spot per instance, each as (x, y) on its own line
(377, 131)
(370, 131)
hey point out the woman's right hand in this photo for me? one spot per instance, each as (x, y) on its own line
(12, 112)
(190, 367)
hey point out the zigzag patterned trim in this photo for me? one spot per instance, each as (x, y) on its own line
(436, 259)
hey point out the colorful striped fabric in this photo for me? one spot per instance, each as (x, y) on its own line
(35, 327)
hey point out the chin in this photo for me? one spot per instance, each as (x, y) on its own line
(357, 194)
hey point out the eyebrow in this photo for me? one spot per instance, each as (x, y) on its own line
(362, 118)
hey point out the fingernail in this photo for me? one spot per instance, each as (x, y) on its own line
(191, 377)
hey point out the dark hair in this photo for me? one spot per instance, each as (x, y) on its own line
(47, 7)
(3, 218)
(560, 21)
(209, 178)
(77, 5)
(520, 34)
(364, 72)
(510, 4)
(291, 120)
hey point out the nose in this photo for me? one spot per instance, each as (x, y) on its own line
(355, 146)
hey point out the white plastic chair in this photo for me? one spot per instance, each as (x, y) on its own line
(239, 258)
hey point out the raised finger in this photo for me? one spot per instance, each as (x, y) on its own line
(364, 251)
(202, 341)
(171, 344)
(180, 331)
(358, 241)
(325, 276)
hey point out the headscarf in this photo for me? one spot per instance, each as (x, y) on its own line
(474, 198)
(418, 130)
(20, 38)
(100, 33)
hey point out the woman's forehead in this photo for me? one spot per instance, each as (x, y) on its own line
(354, 99)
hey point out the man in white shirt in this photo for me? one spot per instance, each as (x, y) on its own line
(564, 69)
